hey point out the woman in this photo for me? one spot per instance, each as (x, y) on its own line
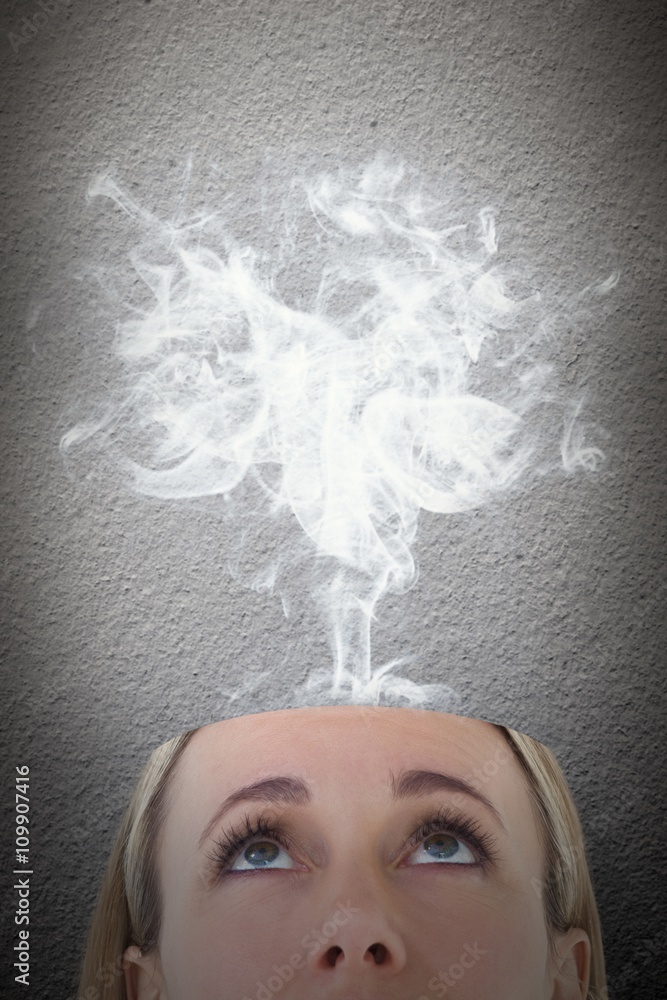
(348, 853)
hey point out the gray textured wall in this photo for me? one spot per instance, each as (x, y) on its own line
(544, 611)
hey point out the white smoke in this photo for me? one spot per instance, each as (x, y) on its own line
(351, 412)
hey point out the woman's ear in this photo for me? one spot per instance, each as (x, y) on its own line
(143, 975)
(572, 965)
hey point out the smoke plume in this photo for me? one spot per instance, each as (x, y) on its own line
(371, 364)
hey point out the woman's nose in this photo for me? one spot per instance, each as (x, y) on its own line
(376, 954)
(360, 939)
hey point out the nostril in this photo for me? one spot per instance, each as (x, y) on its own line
(379, 953)
(332, 955)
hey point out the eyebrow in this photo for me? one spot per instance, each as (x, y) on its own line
(411, 784)
(284, 790)
(279, 790)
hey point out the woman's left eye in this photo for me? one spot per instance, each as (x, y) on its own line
(262, 854)
(442, 847)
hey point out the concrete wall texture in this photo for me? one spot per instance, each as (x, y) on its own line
(545, 609)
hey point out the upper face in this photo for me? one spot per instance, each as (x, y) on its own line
(366, 880)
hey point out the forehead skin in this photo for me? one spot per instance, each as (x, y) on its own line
(348, 741)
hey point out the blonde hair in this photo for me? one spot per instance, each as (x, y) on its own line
(129, 902)
(565, 887)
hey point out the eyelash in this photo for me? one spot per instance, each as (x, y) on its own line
(232, 842)
(463, 828)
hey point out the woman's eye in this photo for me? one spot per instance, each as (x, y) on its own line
(442, 847)
(261, 854)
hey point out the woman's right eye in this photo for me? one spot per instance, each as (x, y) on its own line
(259, 855)
(443, 848)
(256, 845)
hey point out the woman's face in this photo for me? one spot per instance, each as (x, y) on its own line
(352, 853)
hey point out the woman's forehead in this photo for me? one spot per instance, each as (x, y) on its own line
(331, 735)
(370, 758)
